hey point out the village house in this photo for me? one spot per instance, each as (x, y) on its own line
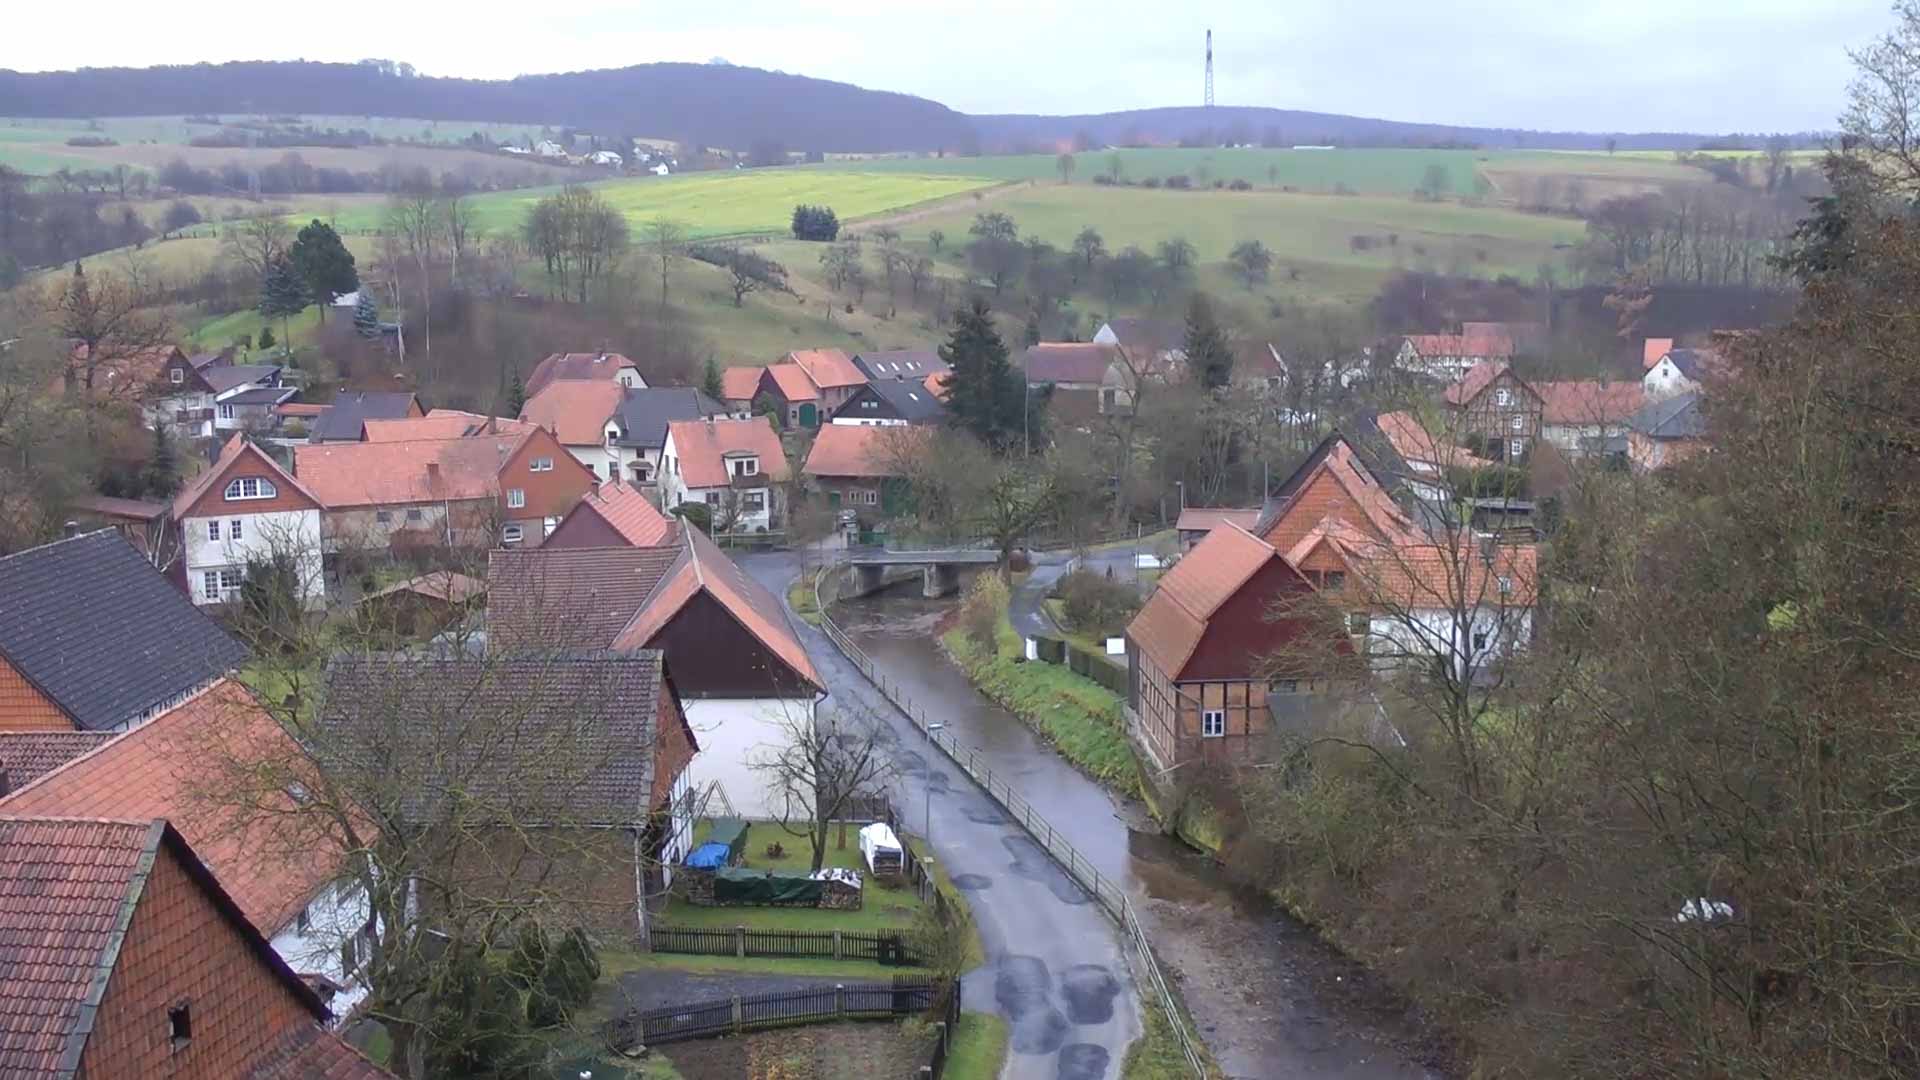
(1334, 481)
(436, 493)
(283, 871)
(1428, 456)
(422, 606)
(833, 374)
(1153, 342)
(575, 367)
(579, 412)
(742, 672)
(738, 387)
(905, 365)
(441, 424)
(123, 955)
(1588, 417)
(1494, 408)
(1195, 522)
(201, 396)
(1679, 371)
(1666, 430)
(242, 510)
(1449, 357)
(858, 467)
(129, 375)
(1072, 372)
(344, 420)
(615, 514)
(607, 780)
(892, 402)
(789, 396)
(636, 433)
(734, 467)
(1206, 654)
(93, 638)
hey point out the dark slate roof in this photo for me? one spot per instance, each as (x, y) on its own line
(342, 421)
(226, 377)
(915, 364)
(645, 413)
(558, 738)
(261, 395)
(1670, 418)
(912, 400)
(1692, 363)
(98, 630)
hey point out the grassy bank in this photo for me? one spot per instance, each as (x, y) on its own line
(1081, 718)
(979, 1047)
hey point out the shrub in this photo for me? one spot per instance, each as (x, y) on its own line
(1180, 181)
(1102, 180)
(980, 613)
(1151, 181)
(1095, 604)
(1240, 185)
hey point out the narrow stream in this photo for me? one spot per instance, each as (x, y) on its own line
(1271, 998)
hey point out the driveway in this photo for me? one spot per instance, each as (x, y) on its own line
(1055, 968)
(1025, 607)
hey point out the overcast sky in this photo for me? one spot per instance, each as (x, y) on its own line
(1635, 65)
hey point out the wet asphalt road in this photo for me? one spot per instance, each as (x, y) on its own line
(1055, 968)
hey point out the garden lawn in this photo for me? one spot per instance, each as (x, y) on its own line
(979, 1047)
(1081, 718)
(885, 906)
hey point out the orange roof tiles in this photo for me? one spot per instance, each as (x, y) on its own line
(1478, 378)
(1418, 573)
(1589, 402)
(1490, 344)
(576, 411)
(175, 766)
(237, 447)
(626, 509)
(1174, 619)
(740, 383)
(829, 369)
(26, 756)
(394, 473)
(441, 424)
(306, 1052)
(702, 447)
(706, 567)
(936, 385)
(793, 382)
(1653, 350)
(1414, 443)
(565, 367)
(856, 450)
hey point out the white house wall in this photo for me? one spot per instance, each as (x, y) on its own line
(732, 733)
(261, 536)
(337, 913)
(1432, 633)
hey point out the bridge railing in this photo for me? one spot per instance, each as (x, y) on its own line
(1111, 895)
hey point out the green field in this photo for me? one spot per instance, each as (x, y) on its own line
(715, 204)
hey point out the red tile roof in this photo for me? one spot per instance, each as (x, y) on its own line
(706, 568)
(1653, 350)
(441, 424)
(168, 768)
(1068, 362)
(1414, 443)
(627, 511)
(237, 447)
(307, 1053)
(1589, 402)
(740, 383)
(829, 369)
(1477, 379)
(702, 447)
(573, 597)
(1485, 345)
(447, 585)
(575, 410)
(575, 366)
(858, 450)
(395, 473)
(1416, 573)
(793, 382)
(1174, 619)
(26, 756)
(936, 385)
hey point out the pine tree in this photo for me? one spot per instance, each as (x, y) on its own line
(324, 264)
(266, 337)
(282, 295)
(516, 394)
(366, 315)
(711, 382)
(163, 469)
(1207, 350)
(984, 394)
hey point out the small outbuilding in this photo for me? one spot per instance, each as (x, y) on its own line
(881, 849)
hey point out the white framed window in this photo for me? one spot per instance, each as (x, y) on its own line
(414, 514)
(226, 412)
(1503, 397)
(1213, 723)
(1517, 448)
(176, 376)
(233, 529)
(1506, 586)
(250, 487)
(541, 464)
(870, 497)
(746, 466)
(516, 498)
(213, 530)
(1518, 423)
(510, 535)
(713, 498)
(1479, 641)
(549, 525)
(612, 434)
(753, 502)
(222, 583)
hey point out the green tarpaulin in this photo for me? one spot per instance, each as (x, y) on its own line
(741, 885)
(731, 832)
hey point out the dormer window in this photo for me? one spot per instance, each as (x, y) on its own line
(744, 466)
(250, 487)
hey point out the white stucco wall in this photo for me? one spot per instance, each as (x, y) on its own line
(1665, 380)
(731, 732)
(1393, 640)
(337, 913)
(261, 535)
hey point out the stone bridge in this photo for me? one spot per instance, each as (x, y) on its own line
(870, 569)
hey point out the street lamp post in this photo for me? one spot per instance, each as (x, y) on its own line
(931, 728)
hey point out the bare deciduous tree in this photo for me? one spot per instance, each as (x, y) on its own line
(827, 765)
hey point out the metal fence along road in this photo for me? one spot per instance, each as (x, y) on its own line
(1111, 895)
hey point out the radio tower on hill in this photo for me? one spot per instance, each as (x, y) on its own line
(1209, 69)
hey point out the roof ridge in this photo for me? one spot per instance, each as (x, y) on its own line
(116, 738)
(56, 543)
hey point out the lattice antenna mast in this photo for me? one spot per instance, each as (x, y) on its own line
(1209, 69)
